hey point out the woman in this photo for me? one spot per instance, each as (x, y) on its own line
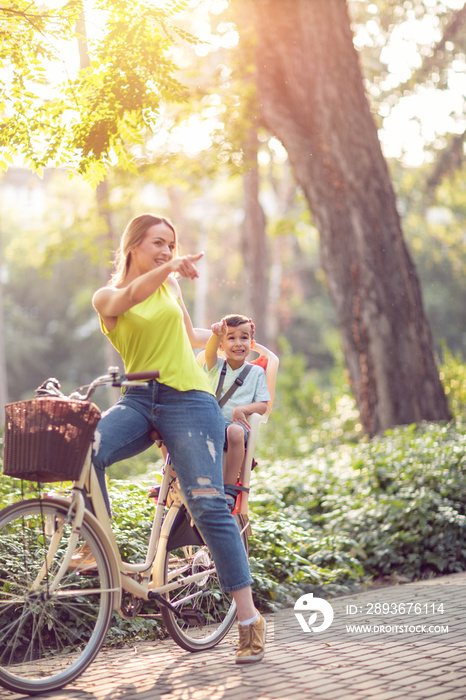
(143, 314)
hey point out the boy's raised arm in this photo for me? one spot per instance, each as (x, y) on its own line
(218, 331)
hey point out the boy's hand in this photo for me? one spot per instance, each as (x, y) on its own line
(239, 416)
(219, 329)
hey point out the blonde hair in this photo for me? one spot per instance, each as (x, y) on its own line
(132, 236)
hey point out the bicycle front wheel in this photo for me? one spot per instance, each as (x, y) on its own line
(186, 555)
(49, 637)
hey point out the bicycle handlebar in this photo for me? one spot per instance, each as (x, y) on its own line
(51, 387)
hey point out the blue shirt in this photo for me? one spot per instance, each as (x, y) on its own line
(254, 387)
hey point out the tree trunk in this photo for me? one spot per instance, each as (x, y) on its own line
(244, 135)
(311, 95)
(112, 357)
(3, 373)
(254, 243)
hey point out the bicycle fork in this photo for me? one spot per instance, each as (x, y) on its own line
(56, 531)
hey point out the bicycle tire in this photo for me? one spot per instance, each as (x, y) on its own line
(206, 595)
(48, 640)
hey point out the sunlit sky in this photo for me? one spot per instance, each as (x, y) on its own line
(422, 116)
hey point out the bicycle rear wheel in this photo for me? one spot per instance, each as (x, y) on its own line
(187, 554)
(47, 639)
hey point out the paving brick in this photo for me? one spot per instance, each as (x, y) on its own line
(449, 694)
(389, 695)
(340, 694)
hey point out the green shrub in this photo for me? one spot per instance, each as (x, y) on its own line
(400, 499)
(453, 376)
(288, 558)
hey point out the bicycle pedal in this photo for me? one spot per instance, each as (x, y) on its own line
(194, 618)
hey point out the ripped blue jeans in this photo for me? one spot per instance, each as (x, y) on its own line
(192, 427)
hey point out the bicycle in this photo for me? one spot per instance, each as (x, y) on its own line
(54, 614)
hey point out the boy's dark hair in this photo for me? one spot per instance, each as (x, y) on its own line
(234, 320)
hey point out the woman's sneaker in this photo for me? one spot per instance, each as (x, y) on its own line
(251, 642)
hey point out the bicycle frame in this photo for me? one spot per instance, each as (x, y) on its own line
(149, 572)
(150, 569)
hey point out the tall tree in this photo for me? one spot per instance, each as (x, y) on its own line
(106, 239)
(254, 243)
(311, 95)
(254, 238)
(3, 384)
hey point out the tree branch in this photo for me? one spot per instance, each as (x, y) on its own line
(454, 28)
(449, 160)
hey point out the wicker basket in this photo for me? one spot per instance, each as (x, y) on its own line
(47, 439)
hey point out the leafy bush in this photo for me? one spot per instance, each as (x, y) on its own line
(394, 505)
(453, 376)
(288, 559)
(408, 511)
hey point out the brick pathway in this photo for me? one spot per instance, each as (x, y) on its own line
(401, 649)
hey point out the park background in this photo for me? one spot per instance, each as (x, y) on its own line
(335, 503)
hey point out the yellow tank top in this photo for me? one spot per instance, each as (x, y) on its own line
(152, 335)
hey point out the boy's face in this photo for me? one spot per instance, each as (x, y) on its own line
(237, 343)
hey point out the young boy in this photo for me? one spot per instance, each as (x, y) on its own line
(234, 335)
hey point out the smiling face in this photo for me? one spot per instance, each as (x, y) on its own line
(237, 343)
(156, 248)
